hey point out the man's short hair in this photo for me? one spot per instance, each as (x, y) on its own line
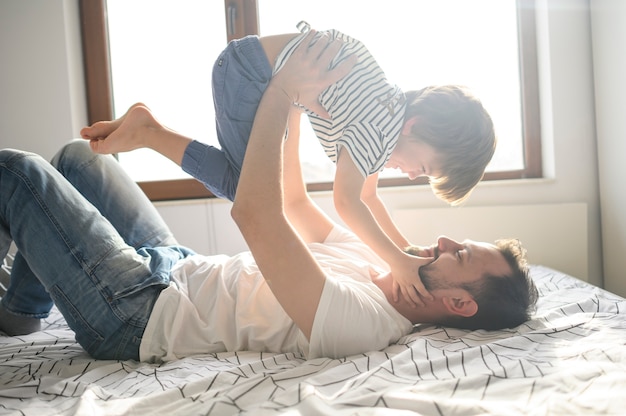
(504, 301)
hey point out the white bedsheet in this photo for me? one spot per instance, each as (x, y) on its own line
(569, 359)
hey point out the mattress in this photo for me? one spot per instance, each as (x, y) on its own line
(570, 358)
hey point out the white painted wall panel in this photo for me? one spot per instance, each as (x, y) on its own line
(554, 235)
(228, 238)
(608, 22)
(190, 222)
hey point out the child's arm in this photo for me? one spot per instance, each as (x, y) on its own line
(369, 195)
(348, 187)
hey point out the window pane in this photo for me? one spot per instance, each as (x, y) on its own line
(425, 42)
(162, 54)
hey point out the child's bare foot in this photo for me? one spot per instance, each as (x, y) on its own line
(102, 129)
(123, 134)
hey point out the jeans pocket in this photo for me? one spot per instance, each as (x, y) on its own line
(238, 84)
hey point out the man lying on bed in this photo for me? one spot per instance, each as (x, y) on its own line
(308, 286)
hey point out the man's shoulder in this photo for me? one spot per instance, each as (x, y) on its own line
(344, 246)
(352, 318)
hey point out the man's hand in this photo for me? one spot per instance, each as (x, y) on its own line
(306, 73)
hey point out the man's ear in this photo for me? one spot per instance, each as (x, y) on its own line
(460, 305)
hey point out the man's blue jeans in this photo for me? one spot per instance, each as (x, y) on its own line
(88, 240)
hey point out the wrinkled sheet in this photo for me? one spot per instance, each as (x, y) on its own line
(569, 359)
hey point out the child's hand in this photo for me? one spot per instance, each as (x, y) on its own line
(421, 251)
(406, 280)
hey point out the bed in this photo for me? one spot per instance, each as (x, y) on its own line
(569, 359)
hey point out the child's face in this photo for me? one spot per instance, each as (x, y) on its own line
(414, 158)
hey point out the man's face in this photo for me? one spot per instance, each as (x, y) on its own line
(457, 263)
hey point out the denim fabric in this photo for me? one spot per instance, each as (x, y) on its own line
(103, 281)
(240, 76)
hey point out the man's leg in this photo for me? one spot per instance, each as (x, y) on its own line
(127, 208)
(29, 301)
(103, 182)
(104, 288)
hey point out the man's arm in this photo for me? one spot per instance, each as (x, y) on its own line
(289, 268)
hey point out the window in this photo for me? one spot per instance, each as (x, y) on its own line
(473, 43)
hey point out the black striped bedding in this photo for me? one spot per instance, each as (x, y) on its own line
(569, 359)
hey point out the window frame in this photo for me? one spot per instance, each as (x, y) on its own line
(241, 20)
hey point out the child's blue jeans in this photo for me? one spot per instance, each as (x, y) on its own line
(240, 76)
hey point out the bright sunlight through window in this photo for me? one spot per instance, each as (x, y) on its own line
(162, 53)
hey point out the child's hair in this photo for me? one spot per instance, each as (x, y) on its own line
(455, 123)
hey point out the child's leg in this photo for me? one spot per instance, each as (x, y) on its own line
(240, 76)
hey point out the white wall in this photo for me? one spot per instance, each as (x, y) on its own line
(42, 94)
(567, 108)
(608, 20)
(558, 222)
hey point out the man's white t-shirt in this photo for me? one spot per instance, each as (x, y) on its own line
(220, 303)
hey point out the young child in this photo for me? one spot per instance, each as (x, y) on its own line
(364, 123)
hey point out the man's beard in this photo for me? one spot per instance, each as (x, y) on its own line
(427, 275)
